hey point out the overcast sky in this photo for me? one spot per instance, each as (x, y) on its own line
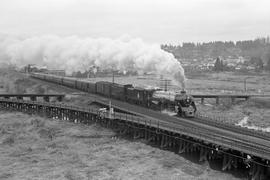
(160, 21)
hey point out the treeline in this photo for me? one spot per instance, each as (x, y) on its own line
(219, 48)
(257, 51)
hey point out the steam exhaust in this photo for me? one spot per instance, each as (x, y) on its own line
(78, 54)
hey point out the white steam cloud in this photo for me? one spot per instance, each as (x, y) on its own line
(78, 54)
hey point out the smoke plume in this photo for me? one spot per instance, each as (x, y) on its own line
(78, 54)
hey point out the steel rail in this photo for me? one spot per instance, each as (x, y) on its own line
(227, 126)
(187, 128)
(217, 128)
(201, 119)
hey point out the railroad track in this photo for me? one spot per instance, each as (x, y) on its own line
(217, 138)
(200, 119)
(234, 141)
(234, 128)
(255, 143)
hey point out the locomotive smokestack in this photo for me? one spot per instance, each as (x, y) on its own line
(183, 92)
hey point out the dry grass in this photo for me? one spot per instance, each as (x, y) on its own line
(37, 148)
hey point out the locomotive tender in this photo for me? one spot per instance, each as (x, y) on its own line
(183, 104)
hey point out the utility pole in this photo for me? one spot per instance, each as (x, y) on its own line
(165, 83)
(113, 77)
(245, 83)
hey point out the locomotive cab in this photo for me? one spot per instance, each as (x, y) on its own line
(185, 105)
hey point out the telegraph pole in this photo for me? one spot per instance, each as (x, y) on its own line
(113, 76)
(245, 83)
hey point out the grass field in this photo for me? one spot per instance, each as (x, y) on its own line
(208, 83)
(38, 148)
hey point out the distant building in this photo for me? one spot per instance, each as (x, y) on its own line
(250, 68)
(56, 72)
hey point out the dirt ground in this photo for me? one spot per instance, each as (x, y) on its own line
(37, 148)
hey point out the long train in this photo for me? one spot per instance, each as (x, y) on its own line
(182, 104)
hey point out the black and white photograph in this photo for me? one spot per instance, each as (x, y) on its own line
(134, 90)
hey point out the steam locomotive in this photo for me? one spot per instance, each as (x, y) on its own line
(181, 103)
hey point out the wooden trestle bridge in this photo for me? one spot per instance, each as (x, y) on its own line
(234, 147)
